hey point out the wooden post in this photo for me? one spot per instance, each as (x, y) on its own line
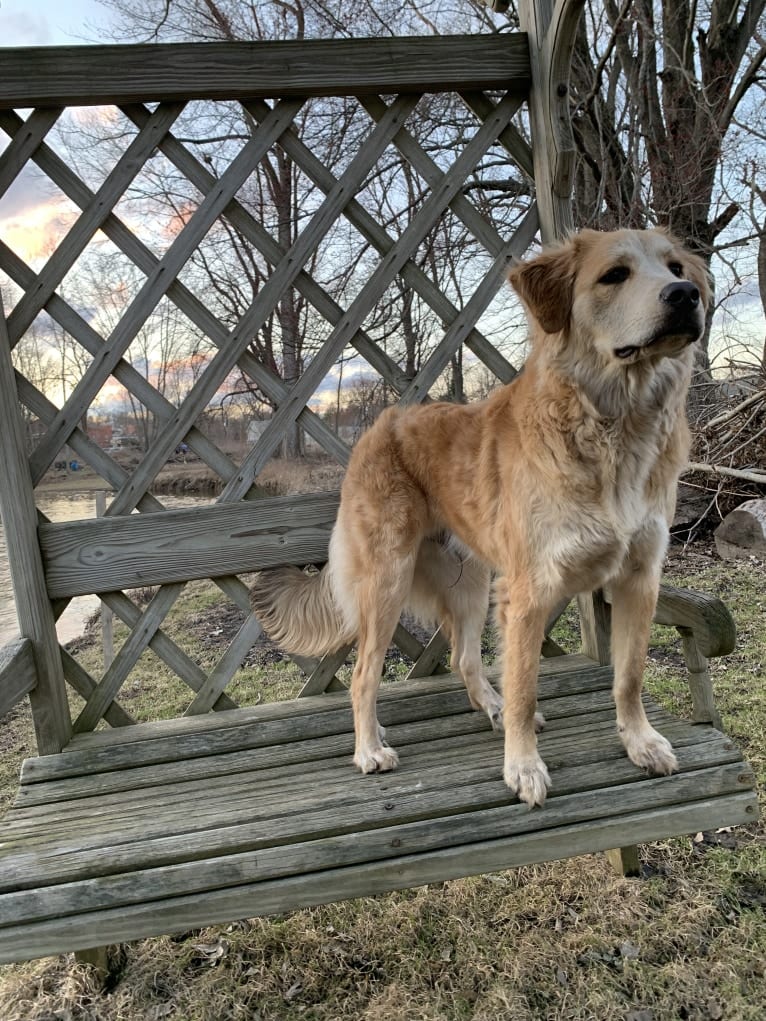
(107, 616)
(96, 958)
(624, 860)
(701, 687)
(551, 27)
(596, 626)
(50, 708)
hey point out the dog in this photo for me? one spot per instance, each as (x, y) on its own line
(560, 482)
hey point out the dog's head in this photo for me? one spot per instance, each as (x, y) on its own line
(632, 295)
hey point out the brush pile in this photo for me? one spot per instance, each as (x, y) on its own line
(728, 458)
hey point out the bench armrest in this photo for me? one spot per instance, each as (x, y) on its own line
(707, 629)
(705, 616)
(18, 674)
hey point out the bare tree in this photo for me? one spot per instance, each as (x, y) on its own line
(658, 85)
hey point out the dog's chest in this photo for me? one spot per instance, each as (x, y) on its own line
(591, 534)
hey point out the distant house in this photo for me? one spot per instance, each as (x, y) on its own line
(101, 433)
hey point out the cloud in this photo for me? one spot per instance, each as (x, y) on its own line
(34, 233)
(22, 28)
(51, 23)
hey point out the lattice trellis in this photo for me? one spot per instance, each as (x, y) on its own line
(272, 123)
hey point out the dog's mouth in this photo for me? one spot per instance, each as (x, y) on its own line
(687, 334)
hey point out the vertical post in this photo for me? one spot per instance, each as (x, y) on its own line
(551, 27)
(700, 685)
(50, 709)
(595, 626)
(107, 617)
(624, 860)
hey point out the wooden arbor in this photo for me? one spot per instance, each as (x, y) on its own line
(158, 826)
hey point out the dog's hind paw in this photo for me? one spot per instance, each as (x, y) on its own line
(378, 759)
(528, 779)
(485, 699)
(649, 750)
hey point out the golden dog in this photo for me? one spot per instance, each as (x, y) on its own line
(561, 482)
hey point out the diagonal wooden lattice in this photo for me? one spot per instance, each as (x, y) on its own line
(271, 124)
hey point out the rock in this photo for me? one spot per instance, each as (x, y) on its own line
(743, 532)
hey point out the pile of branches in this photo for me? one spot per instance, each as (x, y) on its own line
(729, 450)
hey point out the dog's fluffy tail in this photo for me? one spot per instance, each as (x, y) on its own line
(298, 611)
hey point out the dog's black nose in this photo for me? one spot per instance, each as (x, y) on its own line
(682, 295)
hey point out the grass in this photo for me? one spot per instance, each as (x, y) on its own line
(565, 940)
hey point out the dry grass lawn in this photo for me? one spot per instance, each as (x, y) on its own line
(561, 940)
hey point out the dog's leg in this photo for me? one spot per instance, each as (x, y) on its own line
(465, 613)
(634, 597)
(522, 623)
(381, 598)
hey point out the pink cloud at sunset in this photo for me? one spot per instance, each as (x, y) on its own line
(35, 232)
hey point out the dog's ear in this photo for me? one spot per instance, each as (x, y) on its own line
(546, 284)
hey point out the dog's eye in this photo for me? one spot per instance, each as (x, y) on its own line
(616, 275)
(676, 269)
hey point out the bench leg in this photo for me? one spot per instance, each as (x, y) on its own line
(96, 958)
(625, 860)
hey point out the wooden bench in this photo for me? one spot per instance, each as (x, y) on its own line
(157, 827)
(165, 826)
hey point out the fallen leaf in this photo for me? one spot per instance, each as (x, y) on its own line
(293, 991)
(629, 950)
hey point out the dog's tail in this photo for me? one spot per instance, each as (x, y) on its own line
(298, 611)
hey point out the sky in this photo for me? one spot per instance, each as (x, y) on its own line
(48, 22)
(28, 210)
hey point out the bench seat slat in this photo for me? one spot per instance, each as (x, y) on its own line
(46, 859)
(199, 825)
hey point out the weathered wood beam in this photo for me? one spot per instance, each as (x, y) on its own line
(71, 76)
(551, 25)
(50, 709)
(107, 554)
(18, 673)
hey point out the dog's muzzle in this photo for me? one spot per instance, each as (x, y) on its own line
(682, 299)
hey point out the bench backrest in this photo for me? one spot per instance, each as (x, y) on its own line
(260, 91)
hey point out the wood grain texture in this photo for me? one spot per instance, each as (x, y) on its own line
(18, 673)
(705, 615)
(50, 709)
(47, 76)
(111, 553)
(551, 26)
(237, 900)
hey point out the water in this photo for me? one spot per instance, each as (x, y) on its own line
(63, 507)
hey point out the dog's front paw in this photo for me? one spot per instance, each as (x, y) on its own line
(528, 778)
(376, 759)
(649, 750)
